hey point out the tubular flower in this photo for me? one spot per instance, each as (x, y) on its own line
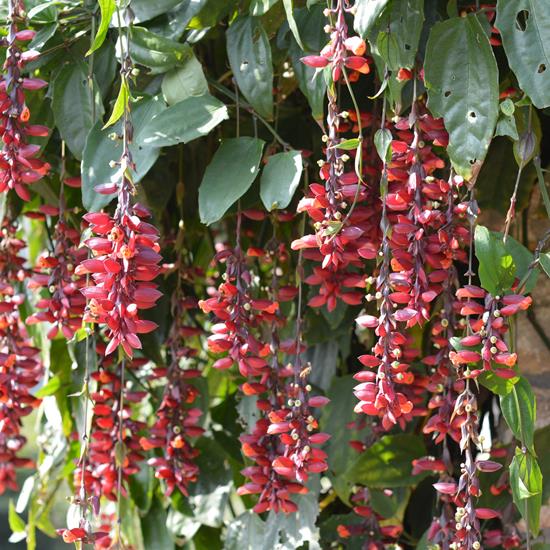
(369, 529)
(345, 222)
(64, 307)
(112, 446)
(19, 166)
(20, 366)
(488, 322)
(124, 262)
(177, 420)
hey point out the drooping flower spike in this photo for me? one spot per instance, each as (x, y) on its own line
(20, 164)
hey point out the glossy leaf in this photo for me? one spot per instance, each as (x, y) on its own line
(261, 7)
(463, 89)
(382, 142)
(107, 8)
(100, 150)
(280, 179)
(524, 27)
(74, 112)
(496, 266)
(519, 410)
(367, 12)
(289, 10)
(184, 81)
(157, 53)
(185, 121)
(249, 55)
(121, 102)
(526, 484)
(228, 176)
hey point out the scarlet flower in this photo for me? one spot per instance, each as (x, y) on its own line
(19, 165)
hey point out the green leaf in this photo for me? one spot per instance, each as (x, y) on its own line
(519, 410)
(107, 8)
(382, 142)
(17, 525)
(53, 384)
(526, 484)
(367, 12)
(496, 266)
(396, 35)
(524, 27)
(120, 105)
(249, 54)
(348, 144)
(245, 532)
(100, 150)
(153, 526)
(185, 81)
(228, 176)
(280, 178)
(261, 7)
(506, 126)
(463, 89)
(156, 52)
(497, 384)
(185, 121)
(388, 462)
(289, 10)
(522, 257)
(341, 456)
(507, 107)
(72, 105)
(145, 10)
(544, 260)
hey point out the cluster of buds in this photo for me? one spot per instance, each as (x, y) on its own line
(343, 51)
(486, 346)
(64, 305)
(114, 437)
(19, 165)
(177, 420)
(370, 530)
(20, 366)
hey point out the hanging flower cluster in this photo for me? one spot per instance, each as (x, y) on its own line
(55, 271)
(124, 262)
(19, 165)
(283, 441)
(177, 420)
(20, 365)
(375, 535)
(114, 437)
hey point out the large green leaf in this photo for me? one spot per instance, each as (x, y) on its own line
(526, 484)
(249, 55)
(396, 35)
(524, 27)
(280, 178)
(73, 106)
(157, 53)
(153, 526)
(184, 81)
(145, 9)
(496, 265)
(100, 150)
(245, 532)
(388, 463)
(185, 121)
(366, 15)
(463, 89)
(228, 176)
(519, 410)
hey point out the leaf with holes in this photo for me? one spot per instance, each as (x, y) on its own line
(524, 27)
(229, 176)
(249, 55)
(463, 89)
